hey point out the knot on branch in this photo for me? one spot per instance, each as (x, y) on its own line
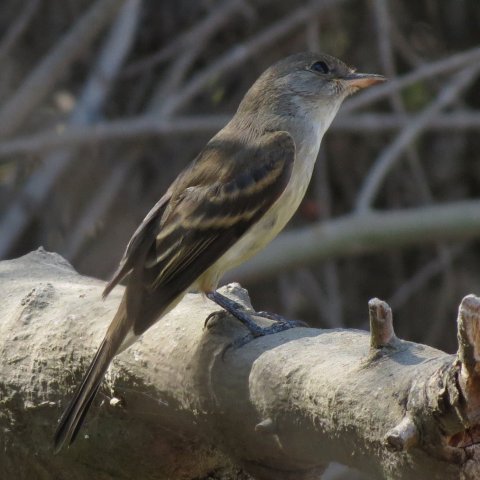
(266, 427)
(403, 436)
(381, 324)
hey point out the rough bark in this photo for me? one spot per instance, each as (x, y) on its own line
(176, 405)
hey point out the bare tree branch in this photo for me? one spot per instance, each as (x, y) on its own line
(55, 65)
(384, 122)
(129, 128)
(39, 184)
(145, 126)
(171, 82)
(97, 208)
(242, 52)
(428, 70)
(391, 155)
(429, 271)
(177, 405)
(18, 27)
(219, 15)
(384, 27)
(357, 234)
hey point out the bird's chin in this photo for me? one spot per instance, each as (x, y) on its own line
(351, 89)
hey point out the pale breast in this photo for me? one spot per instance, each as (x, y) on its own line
(268, 227)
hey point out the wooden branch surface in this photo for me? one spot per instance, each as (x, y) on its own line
(282, 406)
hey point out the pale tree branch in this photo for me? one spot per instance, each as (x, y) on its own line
(139, 127)
(146, 126)
(178, 405)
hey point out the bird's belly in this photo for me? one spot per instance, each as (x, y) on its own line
(262, 232)
(266, 229)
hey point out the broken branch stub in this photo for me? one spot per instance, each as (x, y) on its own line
(468, 325)
(381, 324)
(403, 436)
(469, 336)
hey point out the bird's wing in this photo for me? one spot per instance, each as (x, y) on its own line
(207, 209)
(215, 202)
(139, 243)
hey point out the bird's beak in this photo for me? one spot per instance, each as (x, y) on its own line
(357, 81)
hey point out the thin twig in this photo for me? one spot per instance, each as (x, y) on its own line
(219, 15)
(384, 28)
(404, 48)
(55, 65)
(112, 56)
(38, 186)
(242, 52)
(383, 24)
(383, 123)
(392, 153)
(318, 297)
(96, 209)
(334, 292)
(18, 27)
(174, 77)
(312, 34)
(428, 70)
(424, 275)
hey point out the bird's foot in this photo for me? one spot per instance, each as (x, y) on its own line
(239, 312)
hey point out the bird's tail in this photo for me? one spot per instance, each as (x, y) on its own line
(74, 415)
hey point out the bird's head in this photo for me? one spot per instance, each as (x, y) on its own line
(307, 82)
(318, 76)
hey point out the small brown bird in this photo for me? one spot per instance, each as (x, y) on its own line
(234, 198)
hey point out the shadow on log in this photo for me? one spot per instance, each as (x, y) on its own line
(176, 405)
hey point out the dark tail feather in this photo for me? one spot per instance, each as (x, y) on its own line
(73, 417)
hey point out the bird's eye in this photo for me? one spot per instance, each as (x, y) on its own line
(320, 67)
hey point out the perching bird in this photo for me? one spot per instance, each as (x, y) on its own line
(234, 198)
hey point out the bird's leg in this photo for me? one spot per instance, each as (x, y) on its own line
(239, 312)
